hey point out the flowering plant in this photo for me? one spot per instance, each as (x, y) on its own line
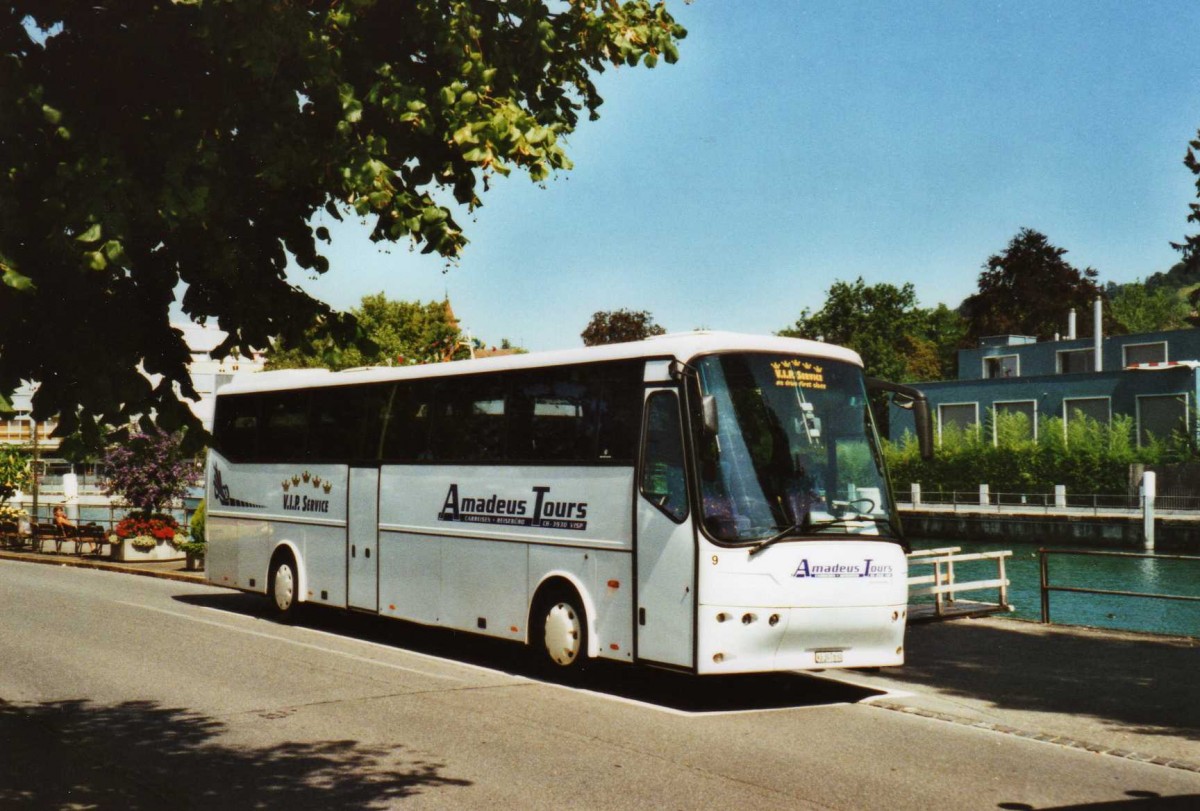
(150, 470)
(145, 530)
(14, 472)
(11, 515)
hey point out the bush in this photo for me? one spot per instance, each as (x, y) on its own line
(196, 525)
(1085, 455)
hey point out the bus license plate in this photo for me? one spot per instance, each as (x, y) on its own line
(829, 657)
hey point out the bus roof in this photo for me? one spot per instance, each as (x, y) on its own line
(683, 346)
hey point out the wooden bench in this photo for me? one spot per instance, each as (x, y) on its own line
(90, 534)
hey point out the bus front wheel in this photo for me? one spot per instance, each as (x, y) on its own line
(282, 586)
(562, 632)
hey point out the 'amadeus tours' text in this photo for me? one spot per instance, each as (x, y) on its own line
(539, 510)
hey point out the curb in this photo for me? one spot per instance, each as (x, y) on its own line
(83, 563)
(1058, 740)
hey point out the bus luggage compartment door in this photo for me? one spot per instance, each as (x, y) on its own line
(362, 539)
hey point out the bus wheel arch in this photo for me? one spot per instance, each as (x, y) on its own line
(285, 586)
(560, 627)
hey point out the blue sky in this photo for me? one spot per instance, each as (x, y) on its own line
(797, 144)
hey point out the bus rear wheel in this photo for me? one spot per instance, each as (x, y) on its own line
(282, 587)
(561, 632)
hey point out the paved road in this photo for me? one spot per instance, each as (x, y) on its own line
(135, 693)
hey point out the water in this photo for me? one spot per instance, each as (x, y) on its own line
(1097, 610)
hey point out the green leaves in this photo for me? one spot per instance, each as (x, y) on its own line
(92, 234)
(883, 323)
(120, 186)
(17, 281)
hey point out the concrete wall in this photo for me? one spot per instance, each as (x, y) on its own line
(1172, 536)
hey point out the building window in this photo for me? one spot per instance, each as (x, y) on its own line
(1145, 353)
(1161, 415)
(1014, 420)
(958, 417)
(1001, 366)
(1092, 408)
(1074, 361)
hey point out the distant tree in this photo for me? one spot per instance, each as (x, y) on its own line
(619, 326)
(1177, 277)
(1136, 308)
(191, 147)
(897, 339)
(947, 330)
(1027, 290)
(393, 333)
(1190, 247)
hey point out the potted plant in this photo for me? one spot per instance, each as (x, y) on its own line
(150, 472)
(196, 547)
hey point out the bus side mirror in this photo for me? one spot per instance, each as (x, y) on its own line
(708, 413)
(914, 400)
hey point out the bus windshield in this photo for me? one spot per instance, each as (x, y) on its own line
(794, 450)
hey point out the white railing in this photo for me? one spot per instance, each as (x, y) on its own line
(941, 582)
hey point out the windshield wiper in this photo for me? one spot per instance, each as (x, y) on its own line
(803, 525)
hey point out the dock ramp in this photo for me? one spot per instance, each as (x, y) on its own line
(942, 584)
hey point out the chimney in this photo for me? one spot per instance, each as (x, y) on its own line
(1071, 324)
(1098, 318)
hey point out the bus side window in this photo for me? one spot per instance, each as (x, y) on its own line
(235, 434)
(619, 411)
(338, 422)
(283, 430)
(663, 482)
(406, 423)
(551, 418)
(468, 419)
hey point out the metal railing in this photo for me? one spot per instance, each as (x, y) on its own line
(973, 500)
(943, 585)
(1046, 587)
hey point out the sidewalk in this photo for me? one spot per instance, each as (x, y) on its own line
(1129, 695)
(167, 570)
(1113, 693)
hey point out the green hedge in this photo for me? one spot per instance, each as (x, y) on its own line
(1087, 457)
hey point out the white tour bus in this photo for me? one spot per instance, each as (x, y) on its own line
(709, 502)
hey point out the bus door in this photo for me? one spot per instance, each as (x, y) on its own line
(362, 539)
(666, 547)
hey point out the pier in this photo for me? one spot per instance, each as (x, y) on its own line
(1099, 525)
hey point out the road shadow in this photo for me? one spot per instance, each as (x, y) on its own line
(1143, 683)
(662, 688)
(1138, 801)
(141, 755)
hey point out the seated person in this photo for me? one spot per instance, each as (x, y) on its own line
(61, 522)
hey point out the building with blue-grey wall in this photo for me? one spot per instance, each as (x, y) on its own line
(1152, 377)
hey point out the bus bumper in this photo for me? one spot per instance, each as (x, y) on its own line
(749, 639)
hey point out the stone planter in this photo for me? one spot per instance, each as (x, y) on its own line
(164, 550)
(195, 562)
